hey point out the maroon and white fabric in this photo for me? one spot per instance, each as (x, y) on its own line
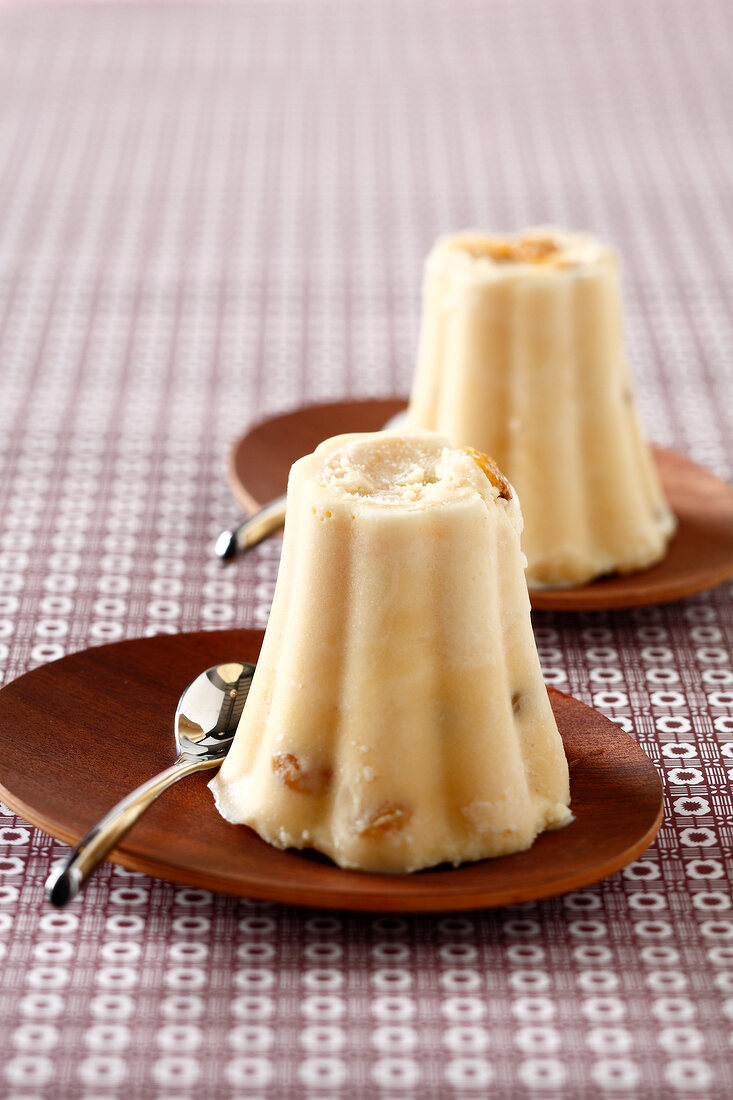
(210, 213)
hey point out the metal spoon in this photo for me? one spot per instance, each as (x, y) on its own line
(252, 531)
(205, 723)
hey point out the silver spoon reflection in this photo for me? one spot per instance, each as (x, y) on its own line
(251, 531)
(206, 719)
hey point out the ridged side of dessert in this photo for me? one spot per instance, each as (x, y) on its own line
(522, 355)
(398, 718)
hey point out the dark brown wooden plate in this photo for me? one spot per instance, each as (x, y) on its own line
(700, 555)
(78, 734)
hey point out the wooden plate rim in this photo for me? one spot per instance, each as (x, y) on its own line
(424, 892)
(690, 567)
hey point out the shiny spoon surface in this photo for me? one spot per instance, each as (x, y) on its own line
(206, 720)
(252, 531)
(271, 516)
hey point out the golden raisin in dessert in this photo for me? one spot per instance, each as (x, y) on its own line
(290, 771)
(388, 817)
(492, 471)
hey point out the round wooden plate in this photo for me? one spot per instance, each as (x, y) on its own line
(700, 555)
(78, 734)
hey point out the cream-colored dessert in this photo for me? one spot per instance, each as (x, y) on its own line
(398, 718)
(522, 355)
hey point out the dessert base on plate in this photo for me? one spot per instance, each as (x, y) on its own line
(71, 750)
(700, 555)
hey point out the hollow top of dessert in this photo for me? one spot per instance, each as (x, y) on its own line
(416, 469)
(540, 250)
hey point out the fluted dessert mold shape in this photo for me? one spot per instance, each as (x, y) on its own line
(398, 718)
(522, 355)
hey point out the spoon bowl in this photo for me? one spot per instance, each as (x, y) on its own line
(209, 710)
(206, 720)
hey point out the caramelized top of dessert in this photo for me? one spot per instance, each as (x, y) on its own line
(414, 469)
(513, 250)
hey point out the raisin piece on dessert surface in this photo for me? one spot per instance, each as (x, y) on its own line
(491, 470)
(387, 818)
(293, 775)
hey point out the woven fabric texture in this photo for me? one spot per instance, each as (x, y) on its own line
(210, 213)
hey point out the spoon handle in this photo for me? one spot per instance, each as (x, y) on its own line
(252, 531)
(65, 882)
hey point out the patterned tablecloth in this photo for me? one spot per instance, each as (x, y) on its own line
(212, 213)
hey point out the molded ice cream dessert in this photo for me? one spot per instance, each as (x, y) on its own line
(398, 718)
(522, 355)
